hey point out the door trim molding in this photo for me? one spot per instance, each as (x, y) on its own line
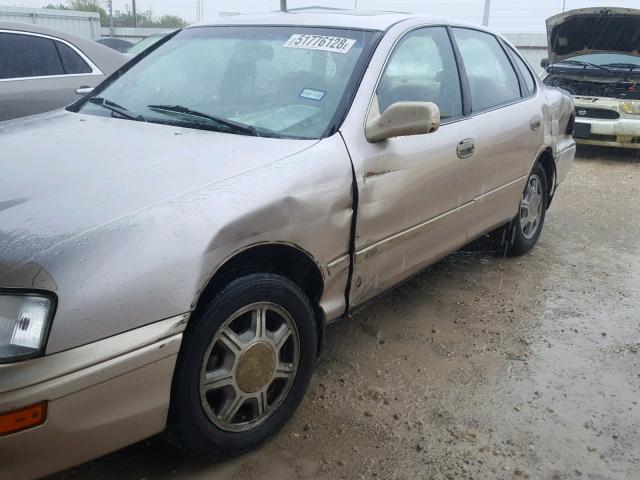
(501, 187)
(386, 243)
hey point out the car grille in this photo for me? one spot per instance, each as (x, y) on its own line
(587, 112)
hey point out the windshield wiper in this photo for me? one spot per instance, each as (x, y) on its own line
(583, 64)
(115, 108)
(231, 125)
(630, 66)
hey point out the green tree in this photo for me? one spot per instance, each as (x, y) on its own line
(121, 18)
(124, 18)
(171, 21)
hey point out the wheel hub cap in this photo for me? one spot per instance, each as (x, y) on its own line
(531, 207)
(255, 367)
(249, 367)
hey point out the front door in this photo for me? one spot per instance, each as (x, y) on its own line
(409, 210)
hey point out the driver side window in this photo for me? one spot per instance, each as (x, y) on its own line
(422, 68)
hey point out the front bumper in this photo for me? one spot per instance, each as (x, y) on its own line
(623, 132)
(101, 397)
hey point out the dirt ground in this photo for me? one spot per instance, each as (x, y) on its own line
(479, 368)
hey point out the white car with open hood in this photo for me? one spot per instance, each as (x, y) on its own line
(594, 54)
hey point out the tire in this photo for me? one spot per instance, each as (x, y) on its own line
(252, 353)
(519, 236)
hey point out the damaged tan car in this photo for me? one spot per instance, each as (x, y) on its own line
(595, 56)
(173, 245)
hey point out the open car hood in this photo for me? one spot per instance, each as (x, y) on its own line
(593, 30)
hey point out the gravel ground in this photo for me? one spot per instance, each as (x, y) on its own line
(480, 367)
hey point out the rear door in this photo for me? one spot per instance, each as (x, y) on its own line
(506, 127)
(39, 73)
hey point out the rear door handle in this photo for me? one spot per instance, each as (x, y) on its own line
(84, 90)
(466, 148)
(535, 124)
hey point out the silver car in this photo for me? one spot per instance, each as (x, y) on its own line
(173, 245)
(42, 69)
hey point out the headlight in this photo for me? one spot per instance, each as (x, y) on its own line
(25, 319)
(630, 107)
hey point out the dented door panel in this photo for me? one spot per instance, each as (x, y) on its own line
(408, 207)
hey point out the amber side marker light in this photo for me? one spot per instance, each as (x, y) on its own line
(23, 418)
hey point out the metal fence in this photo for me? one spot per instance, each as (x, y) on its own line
(83, 24)
(532, 46)
(131, 34)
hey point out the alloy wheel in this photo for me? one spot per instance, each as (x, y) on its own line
(249, 367)
(531, 207)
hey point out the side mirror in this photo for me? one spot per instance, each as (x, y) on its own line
(84, 90)
(544, 63)
(401, 119)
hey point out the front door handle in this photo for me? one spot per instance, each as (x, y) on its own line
(466, 148)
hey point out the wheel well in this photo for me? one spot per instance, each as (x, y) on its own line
(546, 160)
(286, 260)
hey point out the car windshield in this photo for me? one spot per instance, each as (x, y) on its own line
(606, 60)
(146, 43)
(290, 82)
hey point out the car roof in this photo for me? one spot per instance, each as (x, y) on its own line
(323, 17)
(31, 28)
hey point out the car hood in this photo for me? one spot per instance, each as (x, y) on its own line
(593, 30)
(63, 174)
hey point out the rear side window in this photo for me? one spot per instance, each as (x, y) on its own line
(492, 80)
(71, 61)
(529, 82)
(28, 56)
(422, 68)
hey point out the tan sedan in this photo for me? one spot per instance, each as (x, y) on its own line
(42, 69)
(173, 245)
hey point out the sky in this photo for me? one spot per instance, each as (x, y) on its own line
(506, 15)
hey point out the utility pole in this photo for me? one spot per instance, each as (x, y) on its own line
(111, 31)
(564, 5)
(487, 11)
(283, 5)
(199, 11)
(133, 11)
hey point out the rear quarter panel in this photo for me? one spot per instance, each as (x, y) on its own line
(558, 111)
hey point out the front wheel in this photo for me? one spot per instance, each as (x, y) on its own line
(244, 367)
(523, 232)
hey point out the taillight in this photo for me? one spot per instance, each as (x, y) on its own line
(571, 124)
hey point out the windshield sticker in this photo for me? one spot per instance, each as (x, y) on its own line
(320, 42)
(312, 94)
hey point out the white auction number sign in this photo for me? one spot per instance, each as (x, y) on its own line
(320, 42)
